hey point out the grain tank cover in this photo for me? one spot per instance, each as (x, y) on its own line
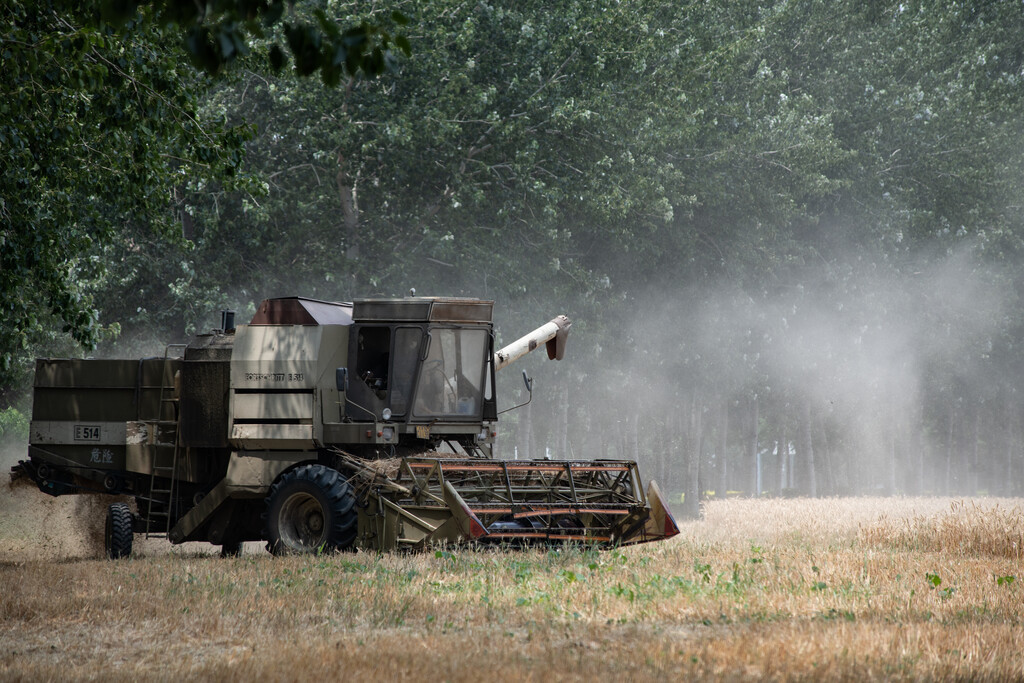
(296, 310)
(423, 309)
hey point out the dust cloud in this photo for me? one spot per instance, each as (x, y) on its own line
(878, 377)
(37, 526)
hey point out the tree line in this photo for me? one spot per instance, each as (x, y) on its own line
(789, 233)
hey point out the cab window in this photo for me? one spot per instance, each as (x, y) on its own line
(451, 381)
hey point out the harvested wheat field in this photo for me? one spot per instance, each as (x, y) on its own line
(837, 589)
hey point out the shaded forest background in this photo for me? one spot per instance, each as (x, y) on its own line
(789, 233)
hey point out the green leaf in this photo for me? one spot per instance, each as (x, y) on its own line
(277, 58)
(403, 44)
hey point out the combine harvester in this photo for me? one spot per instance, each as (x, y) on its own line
(324, 426)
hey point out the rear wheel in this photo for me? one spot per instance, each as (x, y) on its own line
(310, 509)
(118, 533)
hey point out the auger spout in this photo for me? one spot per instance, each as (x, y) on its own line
(552, 334)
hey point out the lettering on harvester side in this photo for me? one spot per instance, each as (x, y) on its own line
(102, 457)
(275, 377)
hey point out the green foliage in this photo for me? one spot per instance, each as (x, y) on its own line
(97, 128)
(762, 174)
(218, 32)
(934, 581)
(13, 427)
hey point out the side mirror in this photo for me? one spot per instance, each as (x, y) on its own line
(341, 379)
(528, 381)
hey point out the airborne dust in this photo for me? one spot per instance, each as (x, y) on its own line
(35, 526)
(901, 377)
(909, 385)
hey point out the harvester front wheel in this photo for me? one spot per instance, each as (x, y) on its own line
(117, 537)
(310, 509)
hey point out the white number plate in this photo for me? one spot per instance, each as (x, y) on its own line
(87, 432)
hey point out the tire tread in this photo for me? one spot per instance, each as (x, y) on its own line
(340, 498)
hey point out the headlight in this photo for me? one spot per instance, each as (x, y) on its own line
(386, 414)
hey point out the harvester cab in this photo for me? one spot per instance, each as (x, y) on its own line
(376, 377)
(425, 367)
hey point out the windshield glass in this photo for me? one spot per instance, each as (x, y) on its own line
(452, 376)
(407, 355)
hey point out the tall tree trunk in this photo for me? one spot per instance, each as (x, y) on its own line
(915, 447)
(892, 484)
(563, 428)
(783, 463)
(752, 444)
(671, 456)
(1009, 436)
(947, 487)
(526, 433)
(349, 208)
(691, 498)
(805, 475)
(722, 457)
(828, 478)
(973, 475)
(702, 459)
(634, 436)
(188, 227)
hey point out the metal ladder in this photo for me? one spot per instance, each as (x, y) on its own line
(162, 471)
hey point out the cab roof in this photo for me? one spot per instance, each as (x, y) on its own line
(297, 310)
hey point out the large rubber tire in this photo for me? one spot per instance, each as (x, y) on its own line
(118, 534)
(310, 509)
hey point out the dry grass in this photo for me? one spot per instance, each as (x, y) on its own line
(967, 528)
(890, 589)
